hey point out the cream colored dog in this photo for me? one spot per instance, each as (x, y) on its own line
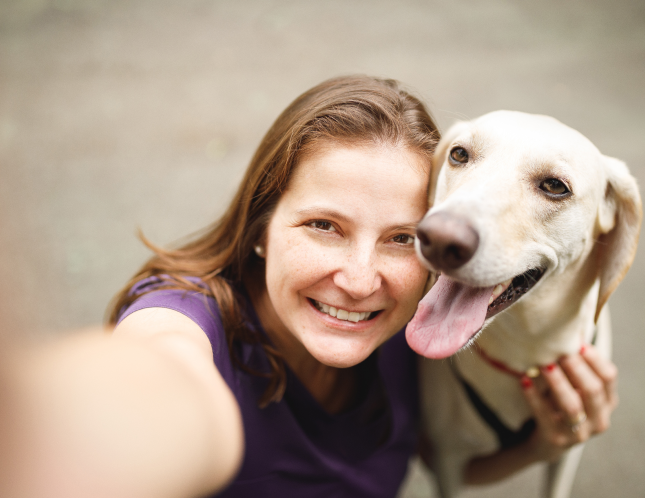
(528, 218)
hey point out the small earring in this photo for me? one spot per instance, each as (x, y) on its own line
(259, 250)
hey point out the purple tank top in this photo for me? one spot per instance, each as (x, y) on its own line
(295, 448)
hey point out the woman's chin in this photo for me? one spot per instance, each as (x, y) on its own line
(342, 352)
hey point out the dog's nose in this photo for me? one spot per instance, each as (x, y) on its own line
(448, 241)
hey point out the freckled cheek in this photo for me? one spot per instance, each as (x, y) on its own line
(300, 262)
(407, 280)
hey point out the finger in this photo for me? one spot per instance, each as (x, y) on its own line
(543, 410)
(547, 418)
(563, 393)
(603, 367)
(597, 401)
(590, 386)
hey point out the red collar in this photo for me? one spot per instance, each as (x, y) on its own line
(501, 366)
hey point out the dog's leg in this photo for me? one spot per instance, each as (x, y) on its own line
(560, 474)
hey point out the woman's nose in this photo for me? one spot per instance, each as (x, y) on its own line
(359, 275)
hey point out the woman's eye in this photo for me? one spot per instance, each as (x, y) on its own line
(322, 225)
(459, 155)
(403, 239)
(554, 187)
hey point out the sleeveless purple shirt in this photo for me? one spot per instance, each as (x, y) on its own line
(295, 448)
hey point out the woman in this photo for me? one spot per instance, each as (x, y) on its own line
(313, 269)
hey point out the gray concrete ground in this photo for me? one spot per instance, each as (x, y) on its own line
(123, 114)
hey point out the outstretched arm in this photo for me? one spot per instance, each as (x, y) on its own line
(143, 413)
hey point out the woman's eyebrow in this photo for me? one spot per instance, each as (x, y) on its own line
(323, 212)
(410, 226)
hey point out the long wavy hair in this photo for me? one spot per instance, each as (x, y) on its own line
(349, 110)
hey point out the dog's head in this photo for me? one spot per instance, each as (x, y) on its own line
(517, 197)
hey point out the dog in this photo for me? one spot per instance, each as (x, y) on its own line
(531, 230)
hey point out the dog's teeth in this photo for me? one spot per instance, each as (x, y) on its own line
(499, 288)
(325, 307)
(333, 311)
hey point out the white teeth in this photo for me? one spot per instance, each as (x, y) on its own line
(352, 316)
(499, 288)
(496, 292)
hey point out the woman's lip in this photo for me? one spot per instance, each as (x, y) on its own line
(321, 303)
(341, 322)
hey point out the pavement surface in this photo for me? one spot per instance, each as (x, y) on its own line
(118, 115)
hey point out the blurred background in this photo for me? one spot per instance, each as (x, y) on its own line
(118, 115)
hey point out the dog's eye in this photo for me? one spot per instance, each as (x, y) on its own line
(459, 155)
(554, 187)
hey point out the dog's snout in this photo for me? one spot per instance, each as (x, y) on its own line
(448, 241)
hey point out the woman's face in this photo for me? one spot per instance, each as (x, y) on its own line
(341, 242)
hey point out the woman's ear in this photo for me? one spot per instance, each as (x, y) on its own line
(619, 220)
(440, 155)
(259, 250)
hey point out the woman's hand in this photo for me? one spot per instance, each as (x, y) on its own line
(572, 400)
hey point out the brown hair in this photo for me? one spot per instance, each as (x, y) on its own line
(349, 110)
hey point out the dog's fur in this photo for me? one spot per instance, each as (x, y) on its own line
(586, 242)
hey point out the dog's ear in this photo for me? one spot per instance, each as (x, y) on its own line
(619, 220)
(440, 155)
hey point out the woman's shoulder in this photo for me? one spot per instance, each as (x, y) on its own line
(197, 305)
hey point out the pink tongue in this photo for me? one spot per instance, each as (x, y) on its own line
(447, 317)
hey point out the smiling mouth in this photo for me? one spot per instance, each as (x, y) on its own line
(344, 315)
(508, 292)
